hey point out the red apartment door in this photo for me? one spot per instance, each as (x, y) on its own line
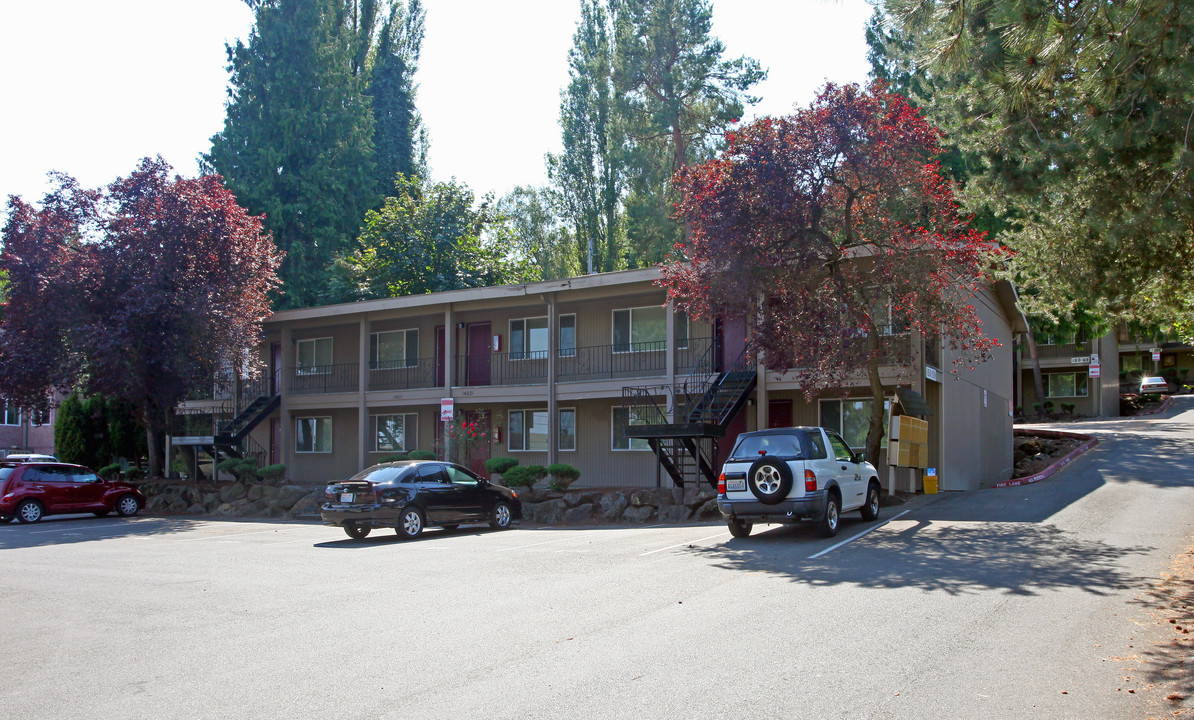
(779, 413)
(478, 353)
(730, 336)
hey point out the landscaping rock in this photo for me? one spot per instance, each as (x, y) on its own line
(674, 513)
(613, 504)
(579, 514)
(233, 492)
(708, 510)
(582, 497)
(197, 509)
(550, 512)
(638, 513)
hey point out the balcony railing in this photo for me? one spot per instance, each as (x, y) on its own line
(403, 375)
(594, 362)
(1065, 350)
(318, 379)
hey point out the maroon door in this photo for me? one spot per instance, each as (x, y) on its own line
(730, 336)
(440, 343)
(478, 354)
(779, 413)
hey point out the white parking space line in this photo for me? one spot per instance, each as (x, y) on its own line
(831, 548)
(227, 535)
(548, 542)
(686, 542)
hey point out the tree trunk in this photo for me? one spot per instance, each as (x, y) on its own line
(155, 441)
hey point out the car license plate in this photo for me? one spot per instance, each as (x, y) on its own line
(347, 497)
(737, 485)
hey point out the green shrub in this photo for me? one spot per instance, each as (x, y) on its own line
(421, 455)
(524, 475)
(109, 471)
(273, 472)
(500, 465)
(562, 475)
(134, 473)
(394, 458)
(228, 465)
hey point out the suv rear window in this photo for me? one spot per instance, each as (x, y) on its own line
(785, 446)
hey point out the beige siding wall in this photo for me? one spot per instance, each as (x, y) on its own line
(974, 413)
(341, 462)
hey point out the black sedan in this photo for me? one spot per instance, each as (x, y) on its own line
(413, 494)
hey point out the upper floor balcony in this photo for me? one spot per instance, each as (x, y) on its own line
(626, 361)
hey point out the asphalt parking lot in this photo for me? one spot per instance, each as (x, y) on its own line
(1029, 602)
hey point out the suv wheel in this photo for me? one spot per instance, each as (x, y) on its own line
(870, 511)
(827, 526)
(739, 528)
(769, 480)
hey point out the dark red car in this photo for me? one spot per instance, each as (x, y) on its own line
(30, 491)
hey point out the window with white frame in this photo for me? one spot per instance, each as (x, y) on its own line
(40, 417)
(313, 435)
(644, 329)
(851, 418)
(393, 349)
(528, 337)
(621, 418)
(395, 433)
(313, 356)
(12, 414)
(529, 431)
(1065, 385)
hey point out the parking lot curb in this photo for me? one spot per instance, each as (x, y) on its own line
(1053, 469)
(1157, 410)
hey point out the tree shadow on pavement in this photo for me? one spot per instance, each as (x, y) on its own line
(955, 558)
(68, 529)
(1169, 663)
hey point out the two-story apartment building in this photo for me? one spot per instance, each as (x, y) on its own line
(556, 371)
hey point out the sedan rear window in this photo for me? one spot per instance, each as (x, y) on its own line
(380, 475)
(787, 446)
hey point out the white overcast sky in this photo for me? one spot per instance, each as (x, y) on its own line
(91, 87)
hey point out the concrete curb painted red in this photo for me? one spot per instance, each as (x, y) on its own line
(1061, 462)
(1159, 409)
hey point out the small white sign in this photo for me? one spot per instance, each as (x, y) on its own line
(1156, 355)
(931, 472)
(1083, 360)
(984, 397)
(446, 408)
(1094, 371)
(932, 373)
(1094, 358)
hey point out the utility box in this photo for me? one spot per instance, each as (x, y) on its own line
(930, 481)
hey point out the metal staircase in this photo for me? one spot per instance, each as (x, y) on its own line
(681, 422)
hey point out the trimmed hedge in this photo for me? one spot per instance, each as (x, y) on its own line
(420, 455)
(562, 475)
(500, 465)
(524, 475)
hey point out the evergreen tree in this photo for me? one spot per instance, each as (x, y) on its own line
(1079, 116)
(676, 95)
(297, 143)
(589, 174)
(399, 139)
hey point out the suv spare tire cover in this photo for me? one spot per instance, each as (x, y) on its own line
(766, 470)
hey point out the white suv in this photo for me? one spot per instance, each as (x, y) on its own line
(788, 474)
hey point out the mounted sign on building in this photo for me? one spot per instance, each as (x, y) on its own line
(446, 409)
